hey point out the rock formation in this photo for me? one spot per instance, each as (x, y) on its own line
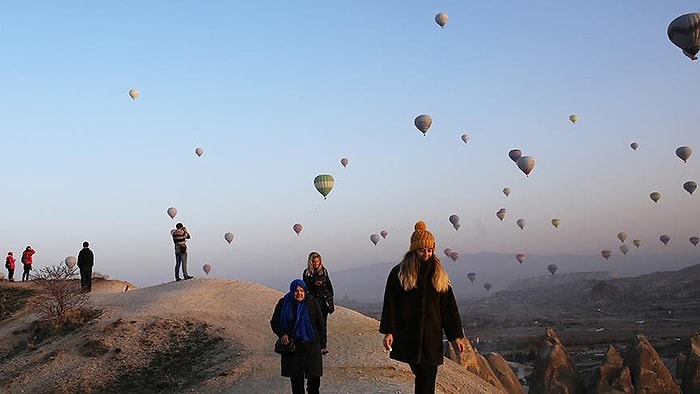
(691, 371)
(555, 372)
(612, 377)
(504, 373)
(649, 374)
(473, 362)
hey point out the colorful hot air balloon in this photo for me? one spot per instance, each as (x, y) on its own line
(454, 256)
(605, 253)
(70, 262)
(454, 219)
(655, 196)
(501, 213)
(344, 161)
(556, 222)
(471, 276)
(324, 184)
(384, 233)
(624, 249)
(520, 257)
(448, 252)
(684, 32)
(133, 93)
(172, 211)
(465, 138)
(199, 152)
(684, 153)
(690, 186)
(423, 122)
(622, 236)
(552, 268)
(228, 237)
(521, 223)
(206, 268)
(573, 118)
(665, 238)
(441, 19)
(637, 242)
(526, 164)
(487, 286)
(297, 227)
(506, 191)
(634, 146)
(515, 154)
(694, 240)
(374, 238)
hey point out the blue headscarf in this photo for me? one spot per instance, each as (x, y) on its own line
(302, 326)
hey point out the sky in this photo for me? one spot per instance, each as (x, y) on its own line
(277, 92)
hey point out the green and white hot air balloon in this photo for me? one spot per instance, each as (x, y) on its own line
(324, 184)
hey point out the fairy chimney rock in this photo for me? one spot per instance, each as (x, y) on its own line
(554, 371)
(472, 361)
(691, 370)
(649, 374)
(505, 374)
(612, 376)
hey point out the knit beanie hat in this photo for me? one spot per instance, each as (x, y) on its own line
(421, 237)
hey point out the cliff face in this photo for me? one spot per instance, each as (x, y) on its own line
(613, 377)
(554, 370)
(649, 374)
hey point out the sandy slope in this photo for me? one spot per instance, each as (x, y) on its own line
(242, 362)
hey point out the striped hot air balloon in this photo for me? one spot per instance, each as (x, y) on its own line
(423, 123)
(684, 32)
(324, 184)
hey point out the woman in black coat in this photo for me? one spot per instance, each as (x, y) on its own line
(418, 305)
(298, 317)
(318, 284)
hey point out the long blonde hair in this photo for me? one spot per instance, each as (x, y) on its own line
(410, 266)
(310, 265)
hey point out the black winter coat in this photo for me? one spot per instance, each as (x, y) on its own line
(306, 361)
(323, 291)
(417, 317)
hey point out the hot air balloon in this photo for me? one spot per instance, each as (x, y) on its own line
(471, 276)
(694, 240)
(487, 286)
(515, 154)
(374, 238)
(624, 249)
(206, 268)
(465, 138)
(324, 184)
(199, 152)
(520, 257)
(448, 252)
(605, 253)
(634, 146)
(454, 256)
(423, 122)
(441, 19)
(506, 191)
(454, 219)
(684, 32)
(172, 211)
(133, 93)
(70, 262)
(384, 233)
(684, 153)
(655, 196)
(344, 161)
(690, 186)
(521, 223)
(526, 164)
(552, 268)
(573, 118)
(622, 236)
(501, 213)
(665, 238)
(556, 222)
(637, 242)
(297, 227)
(228, 237)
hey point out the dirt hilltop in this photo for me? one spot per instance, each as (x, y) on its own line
(201, 335)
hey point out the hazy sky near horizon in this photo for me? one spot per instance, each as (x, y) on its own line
(278, 92)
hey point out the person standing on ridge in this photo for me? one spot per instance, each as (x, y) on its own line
(10, 265)
(86, 260)
(319, 285)
(180, 237)
(27, 262)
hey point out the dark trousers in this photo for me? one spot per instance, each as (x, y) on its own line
(86, 279)
(425, 377)
(11, 274)
(312, 385)
(25, 274)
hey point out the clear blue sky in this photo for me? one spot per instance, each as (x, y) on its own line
(276, 92)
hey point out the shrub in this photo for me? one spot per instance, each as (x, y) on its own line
(60, 299)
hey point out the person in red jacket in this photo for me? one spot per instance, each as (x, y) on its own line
(10, 265)
(27, 262)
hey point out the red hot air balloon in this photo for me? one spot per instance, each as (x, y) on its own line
(520, 257)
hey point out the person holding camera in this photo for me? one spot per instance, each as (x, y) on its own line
(319, 284)
(180, 237)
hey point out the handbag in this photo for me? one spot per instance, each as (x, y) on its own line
(281, 348)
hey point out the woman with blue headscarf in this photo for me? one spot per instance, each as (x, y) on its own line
(298, 317)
